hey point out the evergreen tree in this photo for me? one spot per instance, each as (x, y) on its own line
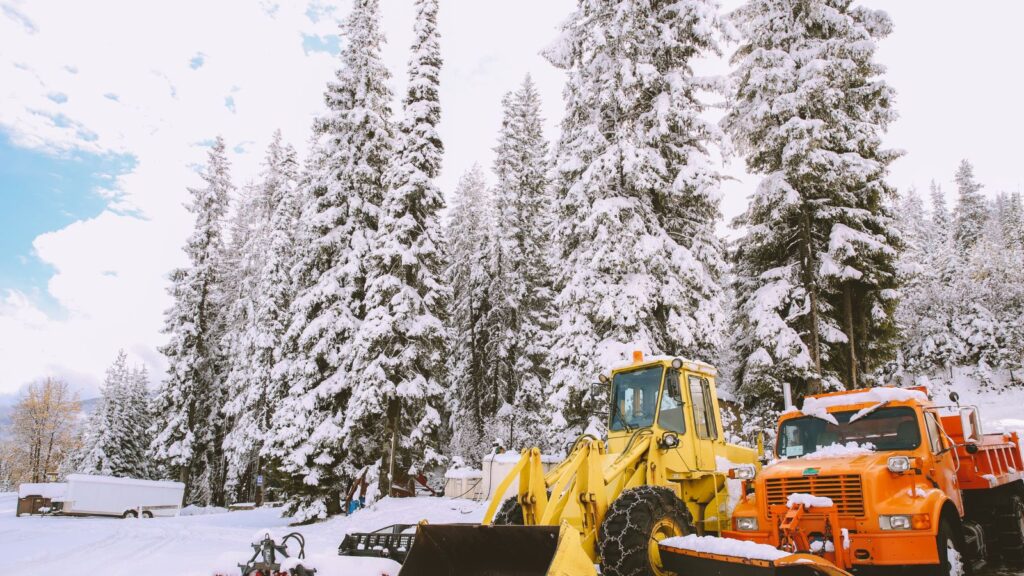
(639, 262)
(264, 294)
(971, 211)
(816, 267)
(188, 428)
(116, 438)
(397, 368)
(519, 319)
(342, 200)
(470, 245)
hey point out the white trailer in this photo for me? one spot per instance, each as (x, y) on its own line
(88, 495)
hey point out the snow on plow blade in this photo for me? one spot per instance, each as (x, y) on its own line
(482, 550)
(683, 560)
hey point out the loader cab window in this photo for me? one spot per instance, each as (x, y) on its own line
(884, 429)
(635, 394)
(670, 413)
(703, 408)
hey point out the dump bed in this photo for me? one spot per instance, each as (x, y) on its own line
(996, 462)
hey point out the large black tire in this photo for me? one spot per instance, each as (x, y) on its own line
(951, 551)
(636, 520)
(130, 514)
(1010, 531)
(510, 513)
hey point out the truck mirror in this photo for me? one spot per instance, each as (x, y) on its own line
(954, 398)
(971, 424)
(971, 448)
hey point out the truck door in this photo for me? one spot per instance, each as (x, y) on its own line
(944, 464)
(705, 421)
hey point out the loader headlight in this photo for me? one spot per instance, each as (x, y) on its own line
(742, 473)
(669, 440)
(899, 464)
(905, 522)
(745, 523)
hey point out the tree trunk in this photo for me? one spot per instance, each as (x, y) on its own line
(851, 335)
(806, 250)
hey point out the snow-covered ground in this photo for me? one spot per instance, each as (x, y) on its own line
(200, 545)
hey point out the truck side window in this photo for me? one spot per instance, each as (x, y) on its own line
(934, 433)
(703, 415)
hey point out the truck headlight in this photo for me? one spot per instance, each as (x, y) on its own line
(746, 523)
(899, 464)
(742, 473)
(905, 522)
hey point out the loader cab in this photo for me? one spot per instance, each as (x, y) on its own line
(674, 399)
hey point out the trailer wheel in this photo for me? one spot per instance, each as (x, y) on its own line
(636, 521)
(130, 514)
(951, 558)
(147, 514)
(509, 514)
(1010, 531)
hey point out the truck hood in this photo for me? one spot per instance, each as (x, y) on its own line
(850, 464)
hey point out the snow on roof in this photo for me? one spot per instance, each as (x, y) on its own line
(49, 490)
(725, 547)
(97, 479)
(818, 406)
(464, 473)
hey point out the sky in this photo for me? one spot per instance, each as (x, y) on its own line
(107, 107)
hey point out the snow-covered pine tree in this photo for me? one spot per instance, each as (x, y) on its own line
(397, 370)
(639, 262)
(342, 198)
(470, 245)
(971, 213)
(520, 316)
(816, 266)
(260, 314)
(116, 439)
(926, 309)
(188, 424)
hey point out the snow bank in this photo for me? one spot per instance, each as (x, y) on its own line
(840, 451)
(808, 500)
(725, 547)
(51, 490)
(193, 510)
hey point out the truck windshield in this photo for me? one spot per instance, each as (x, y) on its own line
(635, 394)
(884, 429)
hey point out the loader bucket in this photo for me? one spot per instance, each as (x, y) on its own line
(690, 562)
(482, 550)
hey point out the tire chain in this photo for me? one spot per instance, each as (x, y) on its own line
(626, 530)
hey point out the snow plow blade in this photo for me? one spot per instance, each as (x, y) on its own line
(483, 550)
(683, 561)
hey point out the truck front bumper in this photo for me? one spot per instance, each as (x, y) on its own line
(897, 548)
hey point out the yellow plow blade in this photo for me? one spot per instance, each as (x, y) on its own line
(691, 562)
(482, 550)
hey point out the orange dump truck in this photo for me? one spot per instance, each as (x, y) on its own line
(878, 477)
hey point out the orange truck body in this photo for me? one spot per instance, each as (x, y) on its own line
(954, 478)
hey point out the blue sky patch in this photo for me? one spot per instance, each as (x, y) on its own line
(330, 43)
(229, 103)
(40, 193)
(58, 97)
(197, 61)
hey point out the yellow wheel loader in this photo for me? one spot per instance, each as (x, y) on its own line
(663, 471)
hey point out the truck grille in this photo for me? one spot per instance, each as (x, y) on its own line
(845, 491)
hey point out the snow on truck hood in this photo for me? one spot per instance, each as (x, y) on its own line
(829, 460)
